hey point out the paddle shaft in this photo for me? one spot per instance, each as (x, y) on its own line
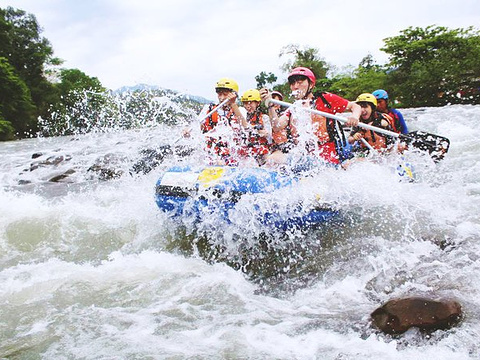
(215, 109)
(200, 119)
(340, 118)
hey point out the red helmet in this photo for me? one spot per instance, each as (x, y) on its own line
(303, 71)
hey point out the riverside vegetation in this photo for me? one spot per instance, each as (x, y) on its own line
(432, 66)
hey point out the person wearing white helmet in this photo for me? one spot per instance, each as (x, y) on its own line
(393, 115)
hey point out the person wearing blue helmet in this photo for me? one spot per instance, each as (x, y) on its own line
(394, 116)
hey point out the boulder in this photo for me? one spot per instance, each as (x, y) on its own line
(105, 167)
(50, 161)
(63, 177)
(399, 315)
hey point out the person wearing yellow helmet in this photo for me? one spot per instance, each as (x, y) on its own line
(258, 135)
(222, 127)
(370, 116)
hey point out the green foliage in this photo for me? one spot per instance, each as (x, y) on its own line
(77, 97)
(17, 111)
(29, 54)
(435, 66)
(367, 77)
(307, 57)
(7, 132)
(263, 79)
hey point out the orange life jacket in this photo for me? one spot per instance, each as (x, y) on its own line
(255, 143)
(219, 147)
(210, 122)
(374, 139)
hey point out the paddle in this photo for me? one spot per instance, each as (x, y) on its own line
(200, 119)
(215, 109)
(436, 145)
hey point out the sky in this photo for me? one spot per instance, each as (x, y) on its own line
(187, 45)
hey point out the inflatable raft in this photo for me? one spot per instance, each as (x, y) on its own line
(183, 191)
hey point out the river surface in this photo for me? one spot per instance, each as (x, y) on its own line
(91, 269)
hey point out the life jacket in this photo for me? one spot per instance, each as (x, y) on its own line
(374, 139)
(218, 146)
(394, 121)
(210, 122)
(331, 138)
(255, 143)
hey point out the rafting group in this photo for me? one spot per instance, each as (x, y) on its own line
(243, 134)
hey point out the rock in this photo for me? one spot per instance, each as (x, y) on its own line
(397, 316)
(150, 159)
(50, 161)
(105, 166)
(63, 176)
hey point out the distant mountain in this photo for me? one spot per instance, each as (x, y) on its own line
(146, 87)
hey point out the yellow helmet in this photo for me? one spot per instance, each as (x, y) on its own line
(226, 83)
(251, 95)
(366, 97)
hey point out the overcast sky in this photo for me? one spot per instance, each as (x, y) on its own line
(187, 45)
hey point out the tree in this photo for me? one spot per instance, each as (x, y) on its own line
(307, 57)
(28, 53)
(263, 79)
(79, 101)
(367, 77)
(17, 111)
(435, 66)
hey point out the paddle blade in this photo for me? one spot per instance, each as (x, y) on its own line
(437, 146)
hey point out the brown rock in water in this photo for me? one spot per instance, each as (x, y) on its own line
(397, 316)
(63, 176)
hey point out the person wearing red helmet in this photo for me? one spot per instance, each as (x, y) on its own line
(328, 134)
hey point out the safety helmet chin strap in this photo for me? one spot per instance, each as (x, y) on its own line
(309, 91)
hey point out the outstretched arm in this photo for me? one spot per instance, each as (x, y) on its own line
(356, 110)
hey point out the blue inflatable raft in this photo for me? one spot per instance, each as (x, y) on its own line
(184, 191)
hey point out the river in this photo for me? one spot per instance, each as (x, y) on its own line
(91, 269)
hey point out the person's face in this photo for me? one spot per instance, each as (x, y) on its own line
(299, 85)
(366, 110)
(382, 105)
(222, 94)
(250, 106)
(276, 97)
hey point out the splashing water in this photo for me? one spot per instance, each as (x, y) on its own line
(92, 269)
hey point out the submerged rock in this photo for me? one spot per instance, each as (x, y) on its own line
(63, 177)
(107, 167)
(397, 316)
(50, 161)
(151, 158)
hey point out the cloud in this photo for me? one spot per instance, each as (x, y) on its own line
(188, 45)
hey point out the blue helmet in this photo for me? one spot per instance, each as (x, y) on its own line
(380, 94)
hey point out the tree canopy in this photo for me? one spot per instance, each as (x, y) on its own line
(434, 66)
(27, 90)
